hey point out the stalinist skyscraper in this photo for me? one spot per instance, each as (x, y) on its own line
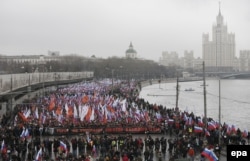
(219, 54)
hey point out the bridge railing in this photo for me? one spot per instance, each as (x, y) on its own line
(10, 82)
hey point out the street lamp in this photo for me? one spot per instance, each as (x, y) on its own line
(204, 92)
(29, 88)
(41, 75)
(112, 71)
(11, 88)
(177, 89)
(112, 75)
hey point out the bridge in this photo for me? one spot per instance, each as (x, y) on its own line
(226, 75)
(238, 75)
(15, 86)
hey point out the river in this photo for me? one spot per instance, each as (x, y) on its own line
(235, 99)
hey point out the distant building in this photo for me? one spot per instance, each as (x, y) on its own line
(169, 59)
(219, 53)
(188, 60)
(32, 59)
(131, 52)
(244, 60)
(198, 64)
(53, 53)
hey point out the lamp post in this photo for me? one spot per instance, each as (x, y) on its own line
(219, 111)
(177, 89)
(112, 72)
(204, 92)
(112, 81)
(42, 64)
(29, 88)
(11, 88)
(112, 76)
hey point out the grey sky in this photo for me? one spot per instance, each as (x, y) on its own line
(105, 27)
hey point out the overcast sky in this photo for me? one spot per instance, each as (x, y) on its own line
(105, 28)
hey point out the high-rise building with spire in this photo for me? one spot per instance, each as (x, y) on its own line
(219, 53)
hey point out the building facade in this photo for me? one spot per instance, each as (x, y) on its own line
(188, 59)
(32, 59)
(244, 60)
(219, 53)
(169, 59)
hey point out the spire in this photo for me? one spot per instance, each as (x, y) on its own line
(219, 17)
(219, 8)
(130, 46)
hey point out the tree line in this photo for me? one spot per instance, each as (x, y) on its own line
(122, 68)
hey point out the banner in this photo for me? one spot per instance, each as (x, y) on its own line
(100, 129)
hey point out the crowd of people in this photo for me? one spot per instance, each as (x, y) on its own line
(102, 104)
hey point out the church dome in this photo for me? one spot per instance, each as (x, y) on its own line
(131, 49)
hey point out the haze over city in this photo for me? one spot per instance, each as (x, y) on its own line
(105, 28)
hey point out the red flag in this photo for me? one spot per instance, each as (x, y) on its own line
(51, 105)
(59, 110)
(70, 111)
(85, 99)
(20, 114)
(111, 109)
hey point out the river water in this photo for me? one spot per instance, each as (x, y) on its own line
(235, 99)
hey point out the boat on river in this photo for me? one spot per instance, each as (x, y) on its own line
(189, 89)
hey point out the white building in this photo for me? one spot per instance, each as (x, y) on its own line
(32, 59)
(188, 60)
(169, 59)
(244, 60)
(219, 53)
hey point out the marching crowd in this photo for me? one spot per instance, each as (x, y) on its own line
(99, 103)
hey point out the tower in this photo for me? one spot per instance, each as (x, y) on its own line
(219, 53)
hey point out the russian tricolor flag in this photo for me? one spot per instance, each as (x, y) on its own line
(211, 126)
(63, 146)
(22, 136)
(185, 118)
(245, 134)
(26, 133)
(189, 121)
(233, 129)
(39, 155)
(3, 147)
(209, 154)
(198, 129)
(207, 133)
(200, 122)
(213, 156)
(170, 121)
(206, 153)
